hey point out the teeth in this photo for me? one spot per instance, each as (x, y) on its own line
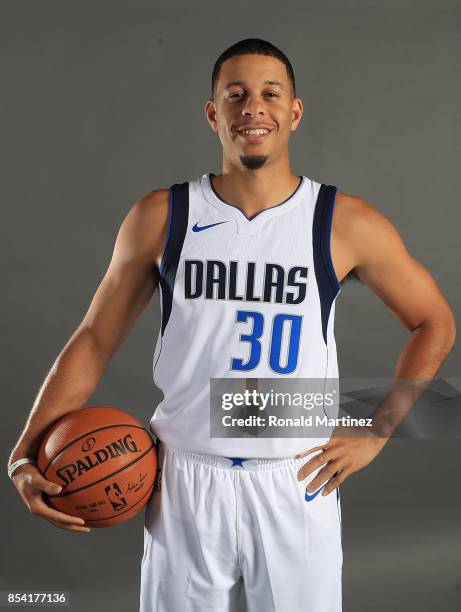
(255, 132)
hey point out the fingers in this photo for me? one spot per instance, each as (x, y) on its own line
(31, 486)
(48, 487)
(38, 507)
(310, 450)
(57, 518)
(70, 527)
(337, 479)
(315, 463)
(29, 481)
(328, 472)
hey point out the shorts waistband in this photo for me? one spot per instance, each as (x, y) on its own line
(231, 463)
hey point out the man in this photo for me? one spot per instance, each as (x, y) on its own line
(249, 263)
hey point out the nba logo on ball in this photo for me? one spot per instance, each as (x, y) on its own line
(114, 494)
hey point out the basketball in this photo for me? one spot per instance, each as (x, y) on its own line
(106, 462)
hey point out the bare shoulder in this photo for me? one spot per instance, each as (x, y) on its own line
(361, 233)
(358, 222)
(354, 214)
(146, 225)
(154, 205)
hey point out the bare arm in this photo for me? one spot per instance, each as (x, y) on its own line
(366, 241)
(381, 261)
(125, 290)
(127, 286)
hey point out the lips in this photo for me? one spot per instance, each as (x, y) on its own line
(255, 138)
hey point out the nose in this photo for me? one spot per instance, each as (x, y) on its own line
(252, 107)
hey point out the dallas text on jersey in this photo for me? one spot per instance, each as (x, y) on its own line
(216, 280)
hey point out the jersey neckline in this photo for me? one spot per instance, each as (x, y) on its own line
(239, 216)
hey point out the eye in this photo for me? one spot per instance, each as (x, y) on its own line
(236, 93)
(272, 93)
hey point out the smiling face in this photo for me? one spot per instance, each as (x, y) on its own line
(253, 92)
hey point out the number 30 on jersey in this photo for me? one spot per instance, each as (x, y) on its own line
(280, 323)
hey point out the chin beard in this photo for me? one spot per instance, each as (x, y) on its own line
(253, 162)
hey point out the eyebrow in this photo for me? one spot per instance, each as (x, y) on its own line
(232, 83)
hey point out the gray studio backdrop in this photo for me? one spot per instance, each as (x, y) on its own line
(102, 102)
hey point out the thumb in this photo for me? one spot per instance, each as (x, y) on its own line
(50, 487)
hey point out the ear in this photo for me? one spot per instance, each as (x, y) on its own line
(210, 114)
(296, 113)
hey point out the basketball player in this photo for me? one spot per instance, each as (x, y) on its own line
(242, 258)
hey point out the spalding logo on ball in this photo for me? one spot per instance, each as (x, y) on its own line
(105, 461)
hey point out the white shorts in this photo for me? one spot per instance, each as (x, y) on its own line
(215, 523)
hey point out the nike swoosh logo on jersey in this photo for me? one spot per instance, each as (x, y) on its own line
(308, 497)
(196, 227)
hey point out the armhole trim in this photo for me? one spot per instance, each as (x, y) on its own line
(327, 281)
(168, 232)
(323, 221)
(177, 227)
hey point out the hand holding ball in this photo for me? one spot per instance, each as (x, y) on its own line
(105, 461)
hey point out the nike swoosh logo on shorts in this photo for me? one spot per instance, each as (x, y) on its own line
(196, 228)
(308, 497)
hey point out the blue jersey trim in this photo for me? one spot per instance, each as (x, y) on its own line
(301, 182)
(327, 282)
(167, 239)
(179, 217)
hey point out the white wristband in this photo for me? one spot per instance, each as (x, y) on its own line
(17, 463)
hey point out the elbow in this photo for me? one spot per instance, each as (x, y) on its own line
(451, 335)
(442, 327)
(449, 327)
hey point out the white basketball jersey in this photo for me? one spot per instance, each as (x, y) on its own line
(246, 298)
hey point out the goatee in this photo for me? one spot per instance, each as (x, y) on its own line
(253, 162)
